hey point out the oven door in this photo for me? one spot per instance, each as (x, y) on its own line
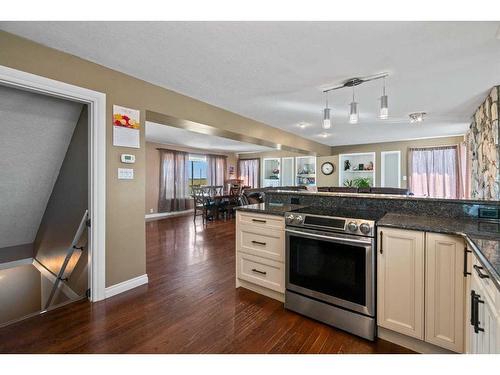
(334, 268)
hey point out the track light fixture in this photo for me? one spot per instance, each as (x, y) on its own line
(327, 122)
(353, 106)
(384, 105)
(353, 110)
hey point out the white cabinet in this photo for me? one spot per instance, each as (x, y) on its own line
(306, 170)
(400, 269)
(444, 291)
(288, 171)
(270, 172)
(421, 286)
(483, 313)
(260, 253)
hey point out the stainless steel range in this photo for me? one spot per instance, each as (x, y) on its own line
(330, 267)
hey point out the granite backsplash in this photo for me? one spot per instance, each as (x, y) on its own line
(407, 205)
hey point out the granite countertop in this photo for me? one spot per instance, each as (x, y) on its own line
(482, 236)
(269, 208)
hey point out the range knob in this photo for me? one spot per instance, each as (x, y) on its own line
(299, 219)
(365, 228)
(352, 226)
(289, 218)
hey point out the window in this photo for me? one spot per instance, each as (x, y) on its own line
(434, 172)
(197, 172)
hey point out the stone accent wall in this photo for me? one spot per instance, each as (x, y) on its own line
(484, 150)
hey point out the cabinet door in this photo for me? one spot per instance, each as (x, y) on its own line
(444, 291)
(486, 340)
(400, 297)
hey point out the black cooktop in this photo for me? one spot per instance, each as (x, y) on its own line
(352, 213)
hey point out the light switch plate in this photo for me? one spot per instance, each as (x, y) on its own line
(404, 178)
(125, 174)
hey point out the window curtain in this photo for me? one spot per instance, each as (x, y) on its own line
(216, 170)
(248, 171)
(434, 172)
(174, 182)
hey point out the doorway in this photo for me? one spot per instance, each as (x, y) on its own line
(49, 262)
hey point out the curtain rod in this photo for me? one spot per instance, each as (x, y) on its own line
(442, 147)
(186, 152)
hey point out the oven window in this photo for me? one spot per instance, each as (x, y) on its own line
(335, 269)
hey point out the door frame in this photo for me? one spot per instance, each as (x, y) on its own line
(96, 102)
(382, 167)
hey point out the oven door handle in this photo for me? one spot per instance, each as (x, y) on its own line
(330, 238)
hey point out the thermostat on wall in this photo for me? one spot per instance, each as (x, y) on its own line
(128, 158)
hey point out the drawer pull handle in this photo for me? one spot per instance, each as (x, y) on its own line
(259, 243)
(466, 273)
(259, 221)
(475, 301)
(259, 271)
(479, 273)
(381, 242)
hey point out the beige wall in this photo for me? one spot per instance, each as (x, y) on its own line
(153, 169)
(324, 180)
(402, 146)
(125, 200)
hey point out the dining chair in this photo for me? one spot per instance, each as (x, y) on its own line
(202, 203)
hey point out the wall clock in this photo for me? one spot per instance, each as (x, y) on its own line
(327, 168)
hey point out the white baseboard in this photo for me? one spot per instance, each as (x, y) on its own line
(162, 215)
(113, 290)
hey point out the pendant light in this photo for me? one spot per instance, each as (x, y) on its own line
(384, 106)
(327, 122)
(353, 113)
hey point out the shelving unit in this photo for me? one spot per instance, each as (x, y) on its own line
(271, 172)
(367, 159)
(305, 170)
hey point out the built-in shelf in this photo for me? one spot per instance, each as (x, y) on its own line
(348, 177)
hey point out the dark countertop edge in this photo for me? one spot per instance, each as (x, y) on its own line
(267, 209)
(475, 248)
(385, 196)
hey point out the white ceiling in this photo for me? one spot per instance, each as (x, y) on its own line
(159, 133)
(274, 71)
(35, 131)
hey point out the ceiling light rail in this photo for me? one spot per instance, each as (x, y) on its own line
(353, 106)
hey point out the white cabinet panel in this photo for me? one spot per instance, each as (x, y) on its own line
(400, 297)
(444, 291)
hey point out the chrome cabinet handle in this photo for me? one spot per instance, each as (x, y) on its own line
(259, 243)
(259, 271)
(381, 242)
(479, 273)
(258, 221)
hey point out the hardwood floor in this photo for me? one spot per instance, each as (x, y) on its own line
(189, 306)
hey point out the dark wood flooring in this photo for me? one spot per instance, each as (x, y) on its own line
(189, 306)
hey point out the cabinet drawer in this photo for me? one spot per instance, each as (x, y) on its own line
(264, 221)
(262, 242)
(261, 271)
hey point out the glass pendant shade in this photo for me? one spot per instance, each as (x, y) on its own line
(353, 114)
(384, 107)
(327, 123)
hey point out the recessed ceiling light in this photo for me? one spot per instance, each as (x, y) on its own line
(303, 125)
(323, 135)
(417, 116)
